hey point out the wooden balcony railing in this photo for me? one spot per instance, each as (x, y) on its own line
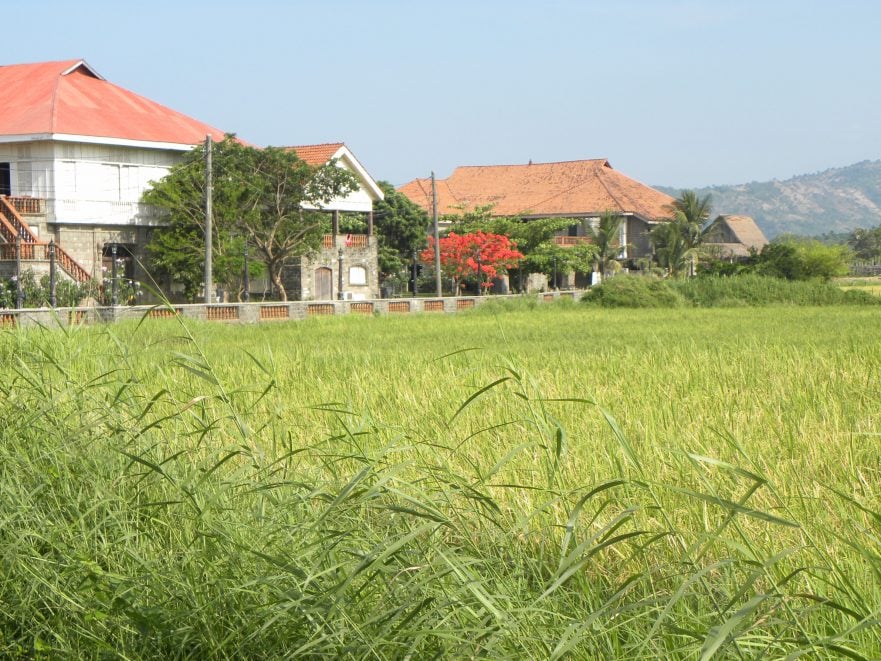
(345, 241)
(569, 241)
(28, 205)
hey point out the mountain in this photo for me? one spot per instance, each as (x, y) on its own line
(835, 200)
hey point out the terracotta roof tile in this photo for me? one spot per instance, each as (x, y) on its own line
(542, 189)
(69, 97)
(316, 154)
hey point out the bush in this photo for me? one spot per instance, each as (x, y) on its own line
(36, 294)
(715, 291)
(799, 259)
(634, 291)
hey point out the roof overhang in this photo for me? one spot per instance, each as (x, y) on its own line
(95, 140)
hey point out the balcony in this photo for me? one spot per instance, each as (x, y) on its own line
(28, 206)
(569, 241)
(345, 241)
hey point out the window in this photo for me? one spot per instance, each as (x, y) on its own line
(357, 275)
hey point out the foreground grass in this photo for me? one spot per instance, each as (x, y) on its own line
(563, 481)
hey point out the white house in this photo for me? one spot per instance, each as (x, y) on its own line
(318, 277)
(76, 154)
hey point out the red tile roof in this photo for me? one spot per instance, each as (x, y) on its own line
(69, 97)
(542, 189)
(316, 154)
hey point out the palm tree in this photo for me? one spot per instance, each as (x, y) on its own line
(672, 249)
(691, 213)
(606, 238)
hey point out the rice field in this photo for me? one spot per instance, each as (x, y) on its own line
(555, 481)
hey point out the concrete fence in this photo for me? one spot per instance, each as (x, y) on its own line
(260, 312)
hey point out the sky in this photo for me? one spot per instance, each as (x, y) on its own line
(682, 93)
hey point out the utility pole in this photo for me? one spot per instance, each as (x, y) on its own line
(437, 264)
(414, 272)
(246, 279)
(209, 194)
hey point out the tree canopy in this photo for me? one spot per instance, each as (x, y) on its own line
(479, 254)
(267, 197)
(401, 227)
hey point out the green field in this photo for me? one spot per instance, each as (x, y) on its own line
(551, 482)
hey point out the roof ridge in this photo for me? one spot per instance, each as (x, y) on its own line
(317, 144)
(53, 113)
(533, 164)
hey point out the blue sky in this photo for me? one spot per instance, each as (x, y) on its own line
(672, 92)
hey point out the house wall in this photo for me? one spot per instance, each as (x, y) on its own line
(103, 184)
(358, 201)
(300, 279)
(638, 238)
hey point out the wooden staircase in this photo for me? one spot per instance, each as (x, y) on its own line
(12, 226)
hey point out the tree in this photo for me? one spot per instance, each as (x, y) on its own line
(460, 256)
(866, 243)
(795, 258)
(548, 257)
(671, 247)
(676, 240)
(606, 237)
(691, 214)
(401, 228)
(267, 196)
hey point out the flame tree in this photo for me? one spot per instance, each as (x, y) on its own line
(460, 255)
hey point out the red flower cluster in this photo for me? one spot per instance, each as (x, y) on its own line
(459, 255)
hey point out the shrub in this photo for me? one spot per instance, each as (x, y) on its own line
(715, 291)
(799, 259)
(633, 291)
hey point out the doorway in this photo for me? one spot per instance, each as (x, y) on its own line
(5, 179)
(323, 284)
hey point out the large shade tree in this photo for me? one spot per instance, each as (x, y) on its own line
(401, 228)
(268, 197)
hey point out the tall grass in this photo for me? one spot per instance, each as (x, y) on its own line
(547, 483)
(714, 291)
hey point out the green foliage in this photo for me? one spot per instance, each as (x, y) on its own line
(671, 247)
(258, 194)
(37, 293)
(401, 228)
(802, 259)
(676, 241)
(606, 240)
(866, 243)
(634, 291)
(710, 291)
(546, 256)
(575, 483)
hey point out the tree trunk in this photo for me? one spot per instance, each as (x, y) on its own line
(279, 285)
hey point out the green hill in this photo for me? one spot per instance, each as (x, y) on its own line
(835, 200)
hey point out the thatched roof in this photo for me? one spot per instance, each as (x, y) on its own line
(735, 235)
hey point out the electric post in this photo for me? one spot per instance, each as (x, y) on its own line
(437, 264)
(209, 194)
